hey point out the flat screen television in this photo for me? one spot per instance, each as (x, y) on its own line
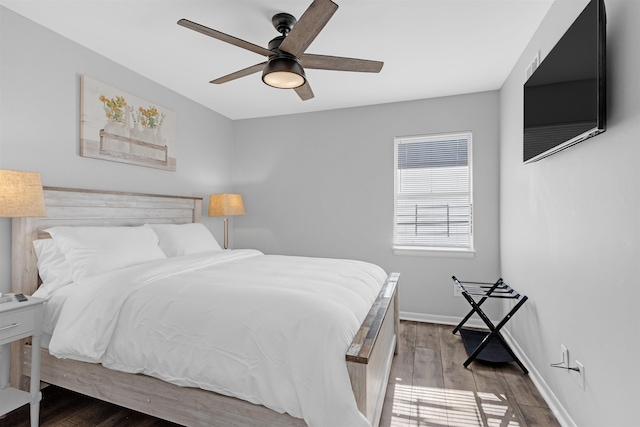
(565, 97)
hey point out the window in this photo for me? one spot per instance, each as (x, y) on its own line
(433, 207)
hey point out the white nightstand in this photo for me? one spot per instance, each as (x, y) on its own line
(21, 320)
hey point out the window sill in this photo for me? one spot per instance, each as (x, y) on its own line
(434, 252)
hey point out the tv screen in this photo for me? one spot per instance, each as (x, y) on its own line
(565, 98)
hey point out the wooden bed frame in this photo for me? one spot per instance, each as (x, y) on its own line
(368, 358)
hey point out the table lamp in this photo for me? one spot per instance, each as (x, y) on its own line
(226, 205)
(21, 194)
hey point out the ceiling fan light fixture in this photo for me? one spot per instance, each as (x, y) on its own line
(283, 68)
(283, 73)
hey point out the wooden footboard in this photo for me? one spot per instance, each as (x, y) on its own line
(368, 358)
(371, 353)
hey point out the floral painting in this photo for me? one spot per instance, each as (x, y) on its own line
(120, 127)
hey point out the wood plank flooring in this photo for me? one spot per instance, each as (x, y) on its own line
(428, 386)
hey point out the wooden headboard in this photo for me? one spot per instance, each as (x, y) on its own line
(75, 207)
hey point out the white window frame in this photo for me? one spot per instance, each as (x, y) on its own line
(425, 249)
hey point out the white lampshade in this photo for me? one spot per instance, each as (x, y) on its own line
(21, 194)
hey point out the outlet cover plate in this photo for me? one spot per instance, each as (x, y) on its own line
(564, 354)
(580, 374)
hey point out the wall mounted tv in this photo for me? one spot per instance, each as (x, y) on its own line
(565, 98)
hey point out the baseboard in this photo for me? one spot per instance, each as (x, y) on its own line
(443, 320)
(547, 394)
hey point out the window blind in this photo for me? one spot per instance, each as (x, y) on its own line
(433, 197)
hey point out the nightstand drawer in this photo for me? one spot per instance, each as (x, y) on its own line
(14, 324)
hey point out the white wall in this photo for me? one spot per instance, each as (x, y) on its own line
(321, 184)
(39, 122)
(570, 233)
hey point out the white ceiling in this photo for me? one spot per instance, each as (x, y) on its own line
(430, 48)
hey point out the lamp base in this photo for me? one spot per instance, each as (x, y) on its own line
(226, 233)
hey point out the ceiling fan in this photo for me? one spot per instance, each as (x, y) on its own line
(286, 55)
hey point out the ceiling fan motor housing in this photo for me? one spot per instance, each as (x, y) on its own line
(274, 44)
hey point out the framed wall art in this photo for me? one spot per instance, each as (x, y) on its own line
(121, 127)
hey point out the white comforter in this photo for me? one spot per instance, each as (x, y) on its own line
(271, 330)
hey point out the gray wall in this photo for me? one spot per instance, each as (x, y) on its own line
(570, 233)
(568, 226)
(321, 184)
(39, 125)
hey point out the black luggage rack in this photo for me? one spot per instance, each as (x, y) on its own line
(482, 345)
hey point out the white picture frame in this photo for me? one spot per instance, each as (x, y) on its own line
(120, 127)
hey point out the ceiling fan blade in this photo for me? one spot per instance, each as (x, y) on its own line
(224, 37)
(242, 73)
(304, 92)
(339, 63)
(308, 26)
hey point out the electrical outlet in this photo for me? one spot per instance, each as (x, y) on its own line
(580, 374)
(564, 354)
(456, 291)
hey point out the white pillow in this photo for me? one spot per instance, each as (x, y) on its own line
(184, 239)
(94, 250)
(53, 268)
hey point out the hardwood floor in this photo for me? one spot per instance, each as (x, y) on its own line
(428, 386)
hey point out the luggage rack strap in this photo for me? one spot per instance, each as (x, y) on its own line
(499, 289)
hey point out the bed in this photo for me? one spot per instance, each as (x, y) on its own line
(367, 359)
